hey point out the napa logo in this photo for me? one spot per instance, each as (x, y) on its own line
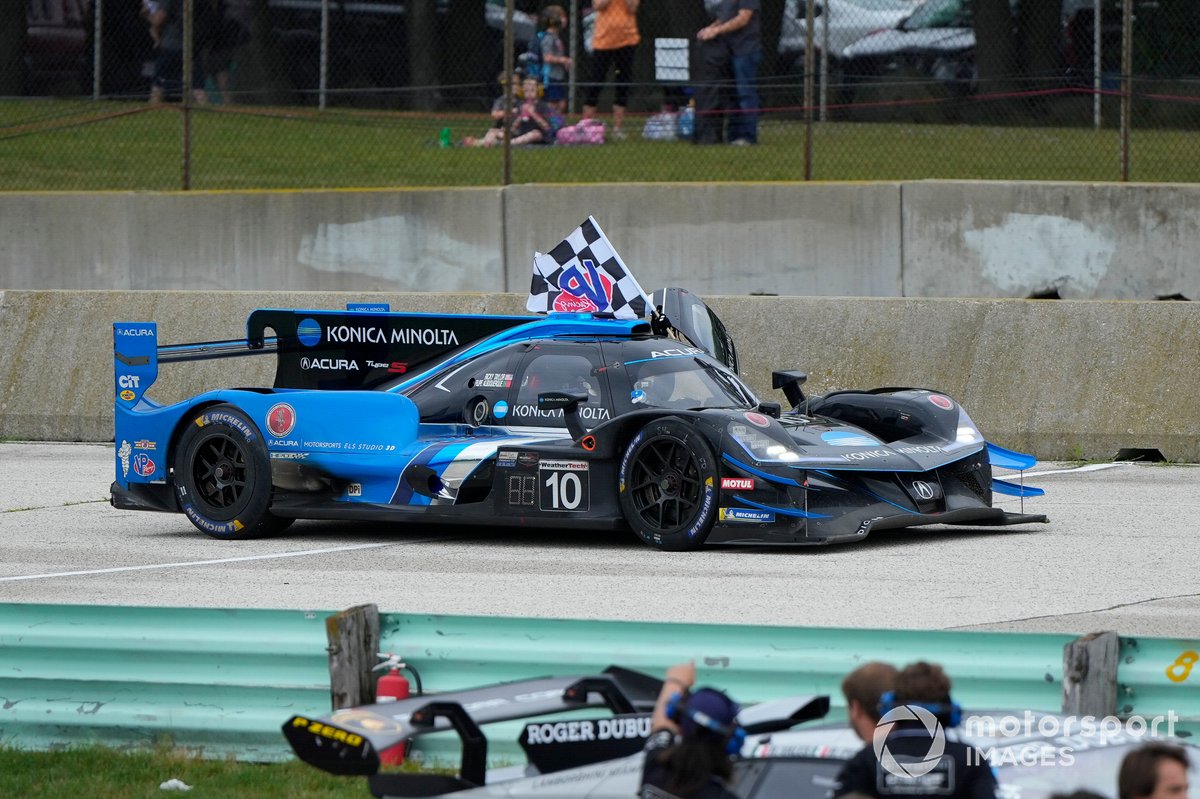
(841, 438)
(309, 332)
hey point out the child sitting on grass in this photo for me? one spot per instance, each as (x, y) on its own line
(530, 121)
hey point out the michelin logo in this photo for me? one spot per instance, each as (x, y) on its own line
(746, 515)
(123, 453)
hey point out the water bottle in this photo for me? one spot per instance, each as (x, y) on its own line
(444, 140)
(687, 122)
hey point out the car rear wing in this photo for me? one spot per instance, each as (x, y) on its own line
(361, 349)
(554, 746)
(352, 349)
(558, 745)
(350, 741)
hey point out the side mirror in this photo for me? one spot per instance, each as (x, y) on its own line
(771, 409)
(568, 403)
(790, 382)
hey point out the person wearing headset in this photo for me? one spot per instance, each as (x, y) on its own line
(902, 757)
(693, 736)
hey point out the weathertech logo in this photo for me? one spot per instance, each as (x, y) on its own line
(737, 483)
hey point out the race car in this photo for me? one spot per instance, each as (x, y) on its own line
(568, 420)
(790, 749)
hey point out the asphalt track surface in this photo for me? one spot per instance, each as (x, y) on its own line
(1120, 553)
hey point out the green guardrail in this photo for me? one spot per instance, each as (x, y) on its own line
(224, 681)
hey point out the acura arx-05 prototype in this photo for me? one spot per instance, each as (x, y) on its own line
(568, 420)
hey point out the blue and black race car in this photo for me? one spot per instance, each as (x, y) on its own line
(570, 420)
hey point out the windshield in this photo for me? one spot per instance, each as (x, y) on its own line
(694, 381)
(940, 14)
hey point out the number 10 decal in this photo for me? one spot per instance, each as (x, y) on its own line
(564, 485)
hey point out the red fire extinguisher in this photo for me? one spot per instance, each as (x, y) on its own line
(393, 687)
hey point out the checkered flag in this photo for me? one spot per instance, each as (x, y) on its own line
(585, 274)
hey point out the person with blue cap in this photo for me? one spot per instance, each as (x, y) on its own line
(694, 735)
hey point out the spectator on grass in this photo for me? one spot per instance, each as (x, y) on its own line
(166, 29)
(1156, 770)
(495, 134)
(863, 689)
(614, 41)
(227, 36)
(739, 28)
(897, 763)
(530, 120)
(691, 735)
(555, 61)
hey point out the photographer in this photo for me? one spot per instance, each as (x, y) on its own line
(693, 736)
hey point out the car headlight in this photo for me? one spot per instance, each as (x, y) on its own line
(760, 446)
(968, 433)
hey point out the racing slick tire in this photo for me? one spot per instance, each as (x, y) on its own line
(667, 485)
(223, 476)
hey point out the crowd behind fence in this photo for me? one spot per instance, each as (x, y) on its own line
(332, 93)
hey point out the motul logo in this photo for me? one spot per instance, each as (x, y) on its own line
(737, 483)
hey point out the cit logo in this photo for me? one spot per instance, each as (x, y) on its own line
(911, 767)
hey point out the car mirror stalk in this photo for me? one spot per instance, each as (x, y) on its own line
(569, 404)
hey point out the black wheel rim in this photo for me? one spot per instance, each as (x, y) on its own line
(219, 472)
(665, 484)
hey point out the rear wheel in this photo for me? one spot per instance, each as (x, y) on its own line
(223, 476)
(668, 485)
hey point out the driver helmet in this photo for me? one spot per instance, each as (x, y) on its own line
(655, 390)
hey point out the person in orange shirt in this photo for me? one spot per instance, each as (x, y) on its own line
(613, 44)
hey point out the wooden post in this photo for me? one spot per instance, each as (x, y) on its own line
(353, 637)
(1090, 675)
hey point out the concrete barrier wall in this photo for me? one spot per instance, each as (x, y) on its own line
(448, 239)
(791, 239)
(1082, 240)
(924, 239)
(1064, 380)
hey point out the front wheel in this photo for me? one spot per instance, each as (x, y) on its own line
(668, 485)
(223, 476)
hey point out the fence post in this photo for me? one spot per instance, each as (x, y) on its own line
(97, 48)
(353, 637)
(1126, 85)
(1090, 675)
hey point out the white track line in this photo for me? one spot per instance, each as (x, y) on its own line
(1091, 467)
(147, 567)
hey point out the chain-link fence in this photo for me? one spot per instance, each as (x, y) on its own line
(325, 93)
